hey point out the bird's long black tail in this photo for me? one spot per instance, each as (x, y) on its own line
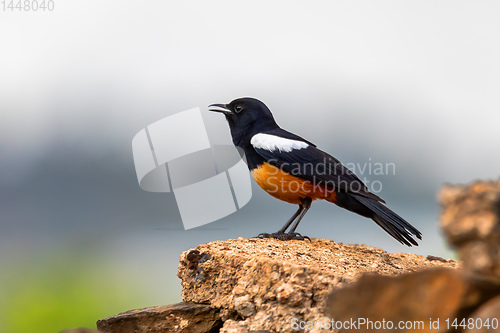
(391, 222)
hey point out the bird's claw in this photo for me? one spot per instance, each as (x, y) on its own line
(283, 236)
(297, 236)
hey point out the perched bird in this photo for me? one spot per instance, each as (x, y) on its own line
(294, 170)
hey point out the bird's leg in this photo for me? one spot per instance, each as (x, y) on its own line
(281, 234)
(306, 204)
(287, 224)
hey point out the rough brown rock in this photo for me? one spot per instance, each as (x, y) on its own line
(262, 284)
(479, 290)
(177, 318)
(486, 319)
(471, 222)
(409, 298)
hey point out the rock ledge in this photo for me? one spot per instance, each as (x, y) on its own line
(265, 283)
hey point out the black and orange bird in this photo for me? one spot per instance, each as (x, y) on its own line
(294, 170)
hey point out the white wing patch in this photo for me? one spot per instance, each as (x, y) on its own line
(273, 142)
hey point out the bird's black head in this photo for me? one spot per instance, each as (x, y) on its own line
(246, 117)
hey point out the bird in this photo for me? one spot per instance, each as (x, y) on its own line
(295, 170)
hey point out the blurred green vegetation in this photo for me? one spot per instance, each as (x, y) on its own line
(65, 290)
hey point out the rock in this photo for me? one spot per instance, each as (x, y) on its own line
(265, 284)
(244, 306)
(177, 318)
(479, 291)
(233, 326)
(471, 222)
(486, 318)
(410, 298)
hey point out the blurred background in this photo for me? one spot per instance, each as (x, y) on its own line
(410, 83)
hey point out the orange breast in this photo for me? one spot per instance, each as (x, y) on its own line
(286, 187)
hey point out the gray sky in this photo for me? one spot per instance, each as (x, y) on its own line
(416, 77)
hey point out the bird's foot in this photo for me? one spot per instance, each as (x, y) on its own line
(283, 236)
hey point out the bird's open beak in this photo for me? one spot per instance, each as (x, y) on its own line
(219, 108)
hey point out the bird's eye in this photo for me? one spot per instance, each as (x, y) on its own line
(238, 108)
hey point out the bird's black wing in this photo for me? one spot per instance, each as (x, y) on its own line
(314, 165)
